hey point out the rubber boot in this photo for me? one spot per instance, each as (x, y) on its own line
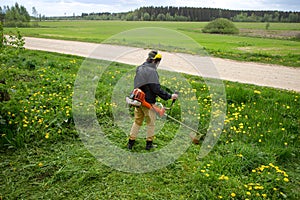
(130, 144)
(149, 145)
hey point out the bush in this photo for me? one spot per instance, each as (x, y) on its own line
(220, 26)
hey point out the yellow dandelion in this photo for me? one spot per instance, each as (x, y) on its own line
(47, 135)
(286, 179)
(233, 194)
(257, 92)
(239, 155)
(258, 187)
(40, 164)
(221, 177)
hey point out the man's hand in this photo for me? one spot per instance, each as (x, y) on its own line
(174, 96)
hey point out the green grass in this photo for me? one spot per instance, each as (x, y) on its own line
(42, 157)
(245, 48)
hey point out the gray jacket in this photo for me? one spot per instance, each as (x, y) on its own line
(147, 79)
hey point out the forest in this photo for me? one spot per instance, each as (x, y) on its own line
(196, 14)
(17, 15)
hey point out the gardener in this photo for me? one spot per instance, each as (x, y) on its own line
(146, 79)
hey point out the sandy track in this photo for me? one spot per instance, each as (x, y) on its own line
(244, 72)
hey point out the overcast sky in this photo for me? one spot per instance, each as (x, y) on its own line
(70, 7)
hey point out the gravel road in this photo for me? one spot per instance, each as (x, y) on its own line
(244, 72)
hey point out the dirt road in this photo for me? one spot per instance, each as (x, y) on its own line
(244, 72)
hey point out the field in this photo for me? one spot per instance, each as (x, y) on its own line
(277, 45)
(43, 156)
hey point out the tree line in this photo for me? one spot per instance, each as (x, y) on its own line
(18, 16)
(196, 14)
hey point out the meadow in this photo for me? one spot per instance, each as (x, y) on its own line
(43, 156)
(279, 44)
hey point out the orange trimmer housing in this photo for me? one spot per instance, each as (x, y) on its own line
(139, 95)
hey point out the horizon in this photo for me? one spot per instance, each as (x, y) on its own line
(59, 8)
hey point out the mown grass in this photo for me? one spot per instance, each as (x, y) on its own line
(245, 48)
(42, 157)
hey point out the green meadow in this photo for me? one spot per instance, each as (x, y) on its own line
(43, 156)
(279, 44)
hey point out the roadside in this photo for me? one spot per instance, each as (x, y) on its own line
(244, 72)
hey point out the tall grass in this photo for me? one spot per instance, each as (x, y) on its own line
(256, 157)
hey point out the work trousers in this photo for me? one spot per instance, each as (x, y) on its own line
(140, 114)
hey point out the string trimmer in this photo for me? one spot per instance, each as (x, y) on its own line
(137, 98)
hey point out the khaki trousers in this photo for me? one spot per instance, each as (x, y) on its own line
(140, 114)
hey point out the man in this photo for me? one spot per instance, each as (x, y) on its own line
(147, 80)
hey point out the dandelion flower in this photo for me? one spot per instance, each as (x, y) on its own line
(223, 177)
(233, 194)
(286, 180)
(257, 92)
(47, 135)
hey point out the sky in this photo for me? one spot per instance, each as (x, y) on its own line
(71, 7)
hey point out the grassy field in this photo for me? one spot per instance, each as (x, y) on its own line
(43, 157)
(275, 45)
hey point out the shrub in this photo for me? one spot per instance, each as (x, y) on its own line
(220, 26)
